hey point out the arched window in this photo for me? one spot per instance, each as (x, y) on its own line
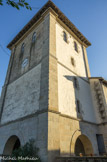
(34, 37)
(65, 36)
(22, 48)
(75, 46)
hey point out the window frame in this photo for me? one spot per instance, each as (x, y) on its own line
(76, 46)
(65, 38)
(73, 61)
(34, 37)
(78, 106)
(22, 47)
(76, 84)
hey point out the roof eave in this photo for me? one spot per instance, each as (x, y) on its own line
(61, 16)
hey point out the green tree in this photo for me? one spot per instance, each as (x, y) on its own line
(28, 150)
(16, 3)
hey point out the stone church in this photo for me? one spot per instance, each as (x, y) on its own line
(49, 95)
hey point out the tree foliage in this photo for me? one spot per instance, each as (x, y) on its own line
(16, 4)
(28, 150)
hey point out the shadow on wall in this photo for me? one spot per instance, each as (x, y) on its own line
(75, 141)
(81, 141)
(77, 93)
(82, 145)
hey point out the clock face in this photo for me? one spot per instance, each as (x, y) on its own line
(25, 63)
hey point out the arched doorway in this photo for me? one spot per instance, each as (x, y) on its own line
(83, 145)
(12, 143)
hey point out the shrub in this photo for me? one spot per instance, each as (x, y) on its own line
(29, 150)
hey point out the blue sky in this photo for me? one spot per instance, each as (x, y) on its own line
(89, 16)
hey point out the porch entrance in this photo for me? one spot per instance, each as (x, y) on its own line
(12, 143)
(83, 146)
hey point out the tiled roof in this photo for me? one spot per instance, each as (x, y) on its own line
(61, 16)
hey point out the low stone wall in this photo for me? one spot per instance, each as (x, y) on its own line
(81, 159)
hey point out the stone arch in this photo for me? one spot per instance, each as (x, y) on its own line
(83, 145)
(12, 143)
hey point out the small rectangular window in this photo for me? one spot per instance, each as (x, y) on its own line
(22, 51)
(34, 37)
(65, 36)
(76, 84)
(75, 46)
(22, 48)
(78, 106)
(72, 61)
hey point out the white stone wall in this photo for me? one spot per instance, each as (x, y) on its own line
(22, 97)
(67, 95)
(65, 51)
